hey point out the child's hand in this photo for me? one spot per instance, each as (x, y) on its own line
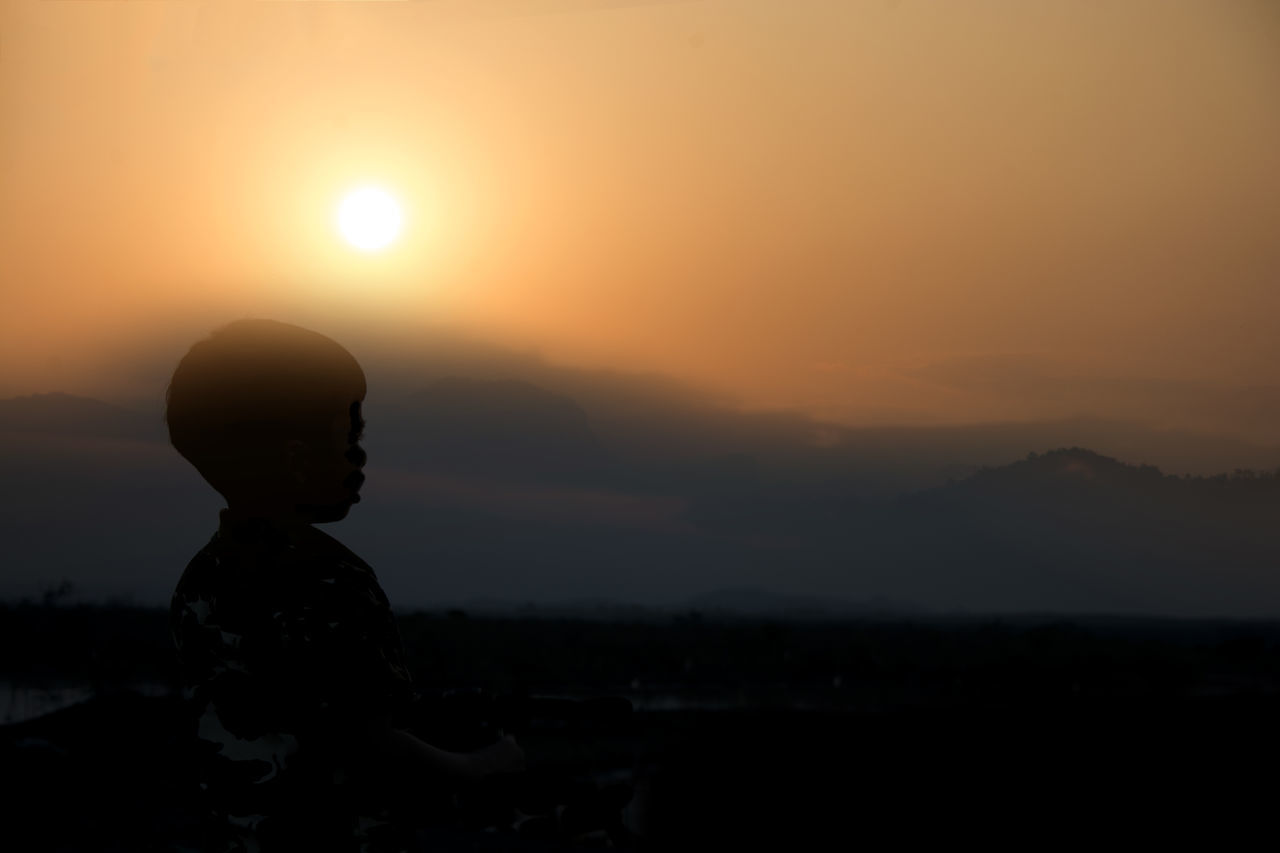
(502, 756)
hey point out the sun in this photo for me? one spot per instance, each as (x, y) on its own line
(369, 219)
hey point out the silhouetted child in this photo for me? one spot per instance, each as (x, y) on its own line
(287, 643)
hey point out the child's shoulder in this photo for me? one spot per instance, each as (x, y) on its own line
(254, 569)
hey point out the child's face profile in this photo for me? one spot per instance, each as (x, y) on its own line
(269, 414)
(327, 471)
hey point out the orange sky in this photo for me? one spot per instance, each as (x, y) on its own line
(893, 211)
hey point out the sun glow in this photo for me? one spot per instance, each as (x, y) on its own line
(369, 219)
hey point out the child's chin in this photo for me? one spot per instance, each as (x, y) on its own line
(321, 514)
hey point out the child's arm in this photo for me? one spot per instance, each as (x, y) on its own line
(404, 751)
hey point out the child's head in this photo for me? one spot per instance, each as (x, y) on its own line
(269, 414)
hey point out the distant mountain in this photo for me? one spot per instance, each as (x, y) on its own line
(911, 458)
(1075, 479)
(1085, 531)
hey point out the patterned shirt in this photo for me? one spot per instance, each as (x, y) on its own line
(287, 643)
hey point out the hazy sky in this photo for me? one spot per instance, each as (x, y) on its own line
(952, 211)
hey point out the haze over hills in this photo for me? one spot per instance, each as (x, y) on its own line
(498, 488)
(67, 414)
(660, 418)
(501, 428)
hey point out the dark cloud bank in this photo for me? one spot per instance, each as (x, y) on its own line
(496, 478)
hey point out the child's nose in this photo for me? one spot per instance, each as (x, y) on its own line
(356, 455)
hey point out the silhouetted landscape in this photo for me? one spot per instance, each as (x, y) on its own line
(811, 624)
(744, 726)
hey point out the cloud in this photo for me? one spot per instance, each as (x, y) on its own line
(1042, 388)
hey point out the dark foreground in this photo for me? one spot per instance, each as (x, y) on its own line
(798, 736)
